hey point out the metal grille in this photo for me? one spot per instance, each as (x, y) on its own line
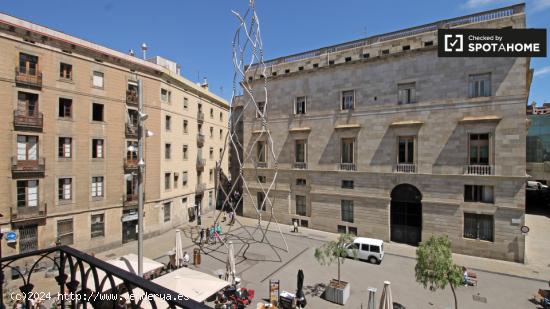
(28, 238)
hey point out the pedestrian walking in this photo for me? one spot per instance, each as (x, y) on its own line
(186, 259)
(202, 234)
(295, 224)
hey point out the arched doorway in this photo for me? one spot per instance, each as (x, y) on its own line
(406, 214)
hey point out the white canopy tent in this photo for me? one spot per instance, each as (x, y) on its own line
(190, 283)
(127, 262)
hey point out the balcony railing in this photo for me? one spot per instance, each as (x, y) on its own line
(131, 130)
(28, 166)
(200, 117)
(130, 199)
(132, 97)
(479, 170)
(130, 164)
(18, 214)
(200, 140)
(26, 77)
(261, 164)
(76, 273)
(405, 168)
(300, 165)
(200, 164)
(23, 120)
(348, 167)
(199, 188)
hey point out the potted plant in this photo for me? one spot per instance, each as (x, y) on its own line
(337, 291)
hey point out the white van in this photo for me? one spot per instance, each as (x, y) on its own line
(368, 249)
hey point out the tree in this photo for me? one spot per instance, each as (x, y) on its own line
(335, 251)
(435, 267)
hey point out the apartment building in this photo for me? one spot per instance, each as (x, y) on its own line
(68, 124)
(381, 138)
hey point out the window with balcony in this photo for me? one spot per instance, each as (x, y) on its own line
(65, 232)
(132, 93)
(98, 146)
(27, 106)
(65, 108)
(65, 189)
(261, 201)
(406, 93)
(167, 151)
(97, 79)
(65, 149)
(185, 152)
(479, 149)
(346, 207)
(27, 193)
(301, 209)
(405, 154)
(97, 186)
(168, 123)
(479, 85)
(185, 126)
(478, 226)
(261, 152)
(348, 100)
(261, 110)
(28, 64)
(167, 207)
(131, 151)
(478, 193)
(65, 71)
(131, 187)
(27, 148)
(300, 106)
(300, 154)
(167, 181)
(347, 153)
(301, 182)
(97, 228)
(97, 112)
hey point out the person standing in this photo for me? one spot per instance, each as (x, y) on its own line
(295, 224)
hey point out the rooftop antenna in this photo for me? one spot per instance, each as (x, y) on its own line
(144, 50)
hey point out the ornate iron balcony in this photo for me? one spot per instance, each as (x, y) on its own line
(23, 120)
(348, 167)
(130, 164)
(300, 165)
(28, 77)
(200, 140)
(200, 117)
(132, 98)
(24, 168)
(26, 213)
(77, 274)
(405, 168)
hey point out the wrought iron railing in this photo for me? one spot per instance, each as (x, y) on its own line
(28, 77)
(23, 119)
(18, 214)
(130, 164)
(463, 20)
(76, 271)
(300, 165)
(200, 164)
(131, 130)
(132, 97)
(200, 116)
(200, 140)
(28, 166)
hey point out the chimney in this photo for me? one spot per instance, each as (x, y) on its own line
(131, 52)
(204, 83)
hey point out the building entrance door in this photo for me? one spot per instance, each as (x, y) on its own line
(406, 214)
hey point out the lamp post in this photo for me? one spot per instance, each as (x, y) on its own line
(141, 172)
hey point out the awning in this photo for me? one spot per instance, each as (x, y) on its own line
(304, 129)
(347, 126)
(128, 263)
(407, 123)
(190, 283)
(488, 118)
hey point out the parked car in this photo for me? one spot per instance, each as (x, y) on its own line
(535, 185)
(368, 249)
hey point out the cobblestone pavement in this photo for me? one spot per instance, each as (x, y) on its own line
(501, 284)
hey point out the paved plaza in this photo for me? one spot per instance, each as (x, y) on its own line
(501, 284)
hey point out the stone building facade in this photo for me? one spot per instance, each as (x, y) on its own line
(381, 138)
(68, 138)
